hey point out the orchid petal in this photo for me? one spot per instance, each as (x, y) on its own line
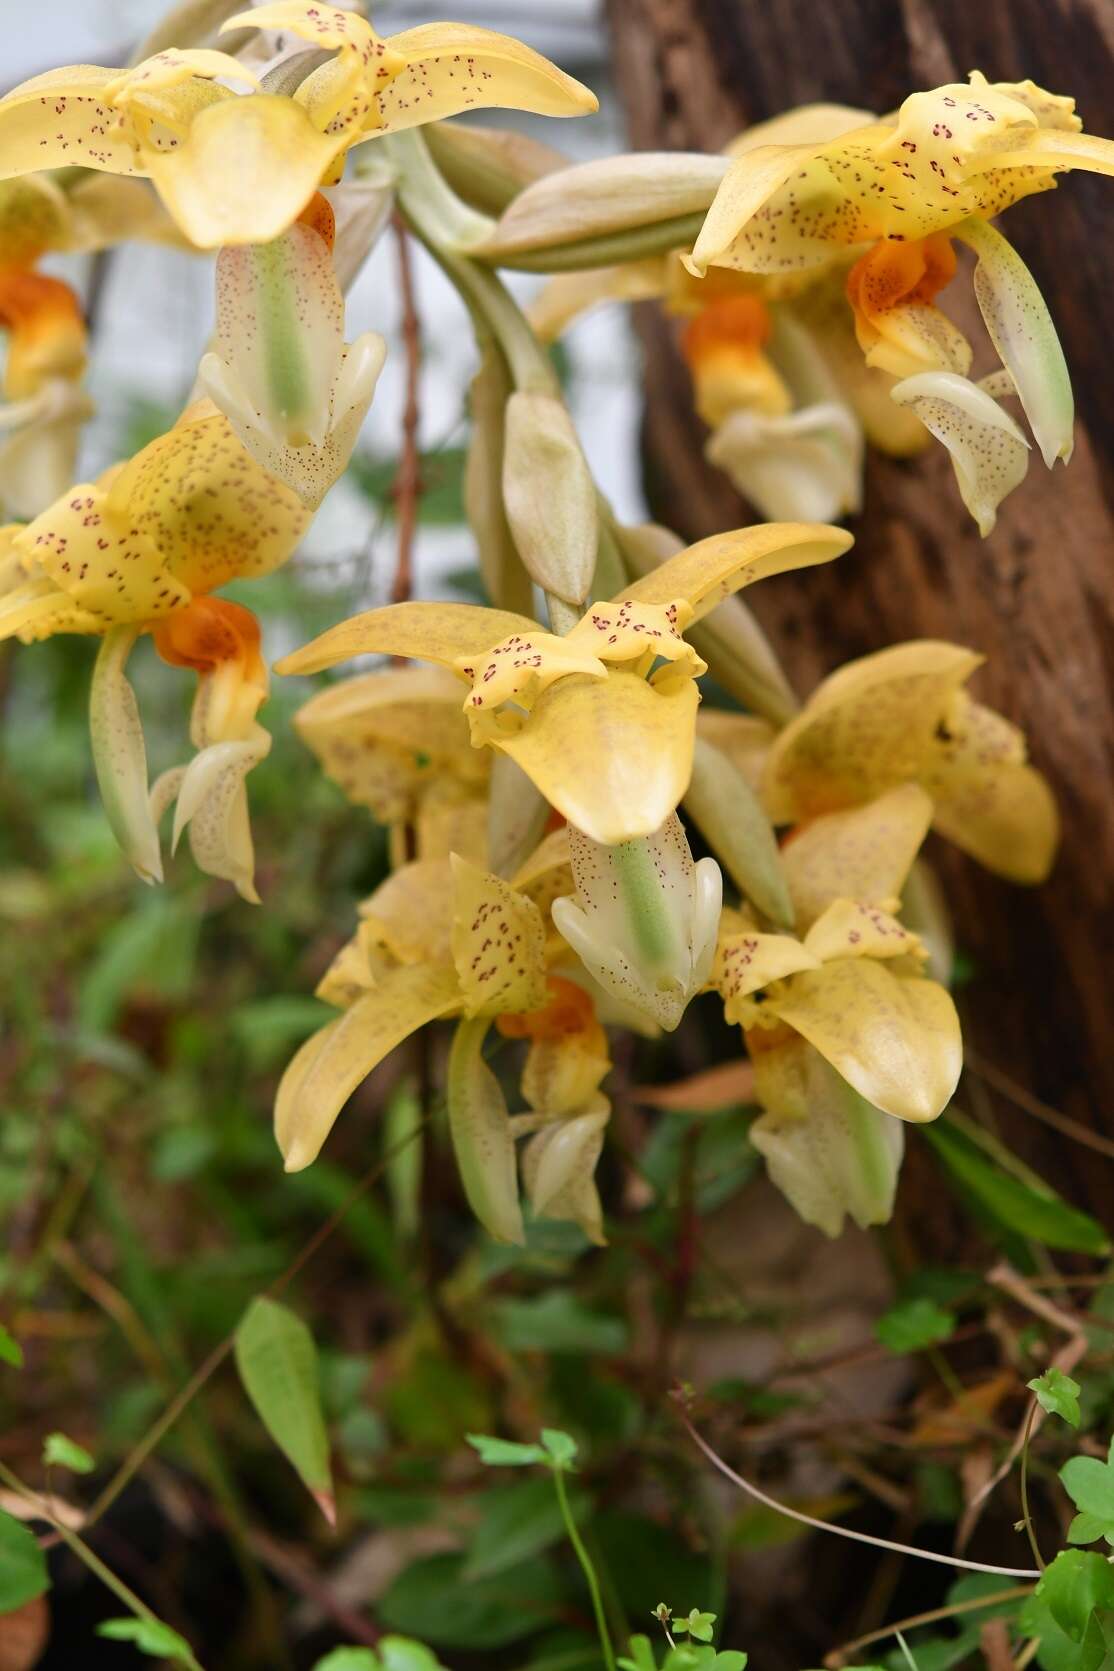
(439, 632)
(726, 239)
(806, 464)
(830, 1152)
(987, 800)
(451, 67)
(280, 159)
(213, 802)
(867, 728)
(706, 573)
(568, 296)
(895, 1039)
(329, 1066)
(850, 928)
(498, 943)
(614, 756)
(864, 853)
(746, 962)
(481, 1134)
(104, 564)
(607, 195)
(558, 1169)
(61, 120)
(1052, 148)
(1021, 329)
(119, 754)
(411, 912)
(989, 453)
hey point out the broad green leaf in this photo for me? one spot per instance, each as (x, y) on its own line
(1016, 1206)
(60, 1452)
(277, 1361)
(700, 1626)
(399, 1653)
(557, 1322)
(1090, 1485)
(505, 1453)
(1076, 1584)
(1087, 1528)
(516, 1522)
(914, 1324)
(349, 1659)
(150, 1636)
(1058, 1651)
(433, 1598)
(1058, 1394)
(23, 1574)
(10, 1349)
(560, 1446)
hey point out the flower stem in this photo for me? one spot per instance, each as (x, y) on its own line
(587, 1568)
(1025, 1515)
(94, 1563)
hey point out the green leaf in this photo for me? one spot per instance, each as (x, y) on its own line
(1057, 1651)
(150, 1636)
(557, 1322)
(1015, 1206)
(1090, 1485)
(23, 1574)
(277, 1361)
(433, 1597)
(700, 1626)
(913, 1325)
(399, 1653)
(1073, 1586)
(349, 1659)
(642, 1656)
(560, 1446)
(1085, 1528)
(505, 1453)
(516, 1522)
(10, 1349)
(1058, 1394)
(60, 1452)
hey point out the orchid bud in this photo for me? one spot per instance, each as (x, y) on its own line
(732, 821)
(507, 583)
(549, 495)
(644, 918)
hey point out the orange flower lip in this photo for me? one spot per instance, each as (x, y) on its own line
(209, 633)
(46, 330)
(894, 272)
(569, 1010)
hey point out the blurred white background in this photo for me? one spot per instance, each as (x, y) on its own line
(155, 311)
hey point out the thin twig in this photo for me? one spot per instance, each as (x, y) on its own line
(407, 486)
(843, 1531)
(1030, 1104)
(1025, 1515)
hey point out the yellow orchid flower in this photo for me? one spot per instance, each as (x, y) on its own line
(239, 168)
(902, 716)
(140, 550)
(847, 1037)
(438, 938)
(946, 164)
(606, 739)
(292, 389)
(397, 742)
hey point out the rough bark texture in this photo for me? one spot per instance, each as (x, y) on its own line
(1038, 596)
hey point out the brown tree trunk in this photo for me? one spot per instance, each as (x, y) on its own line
(1038, 596)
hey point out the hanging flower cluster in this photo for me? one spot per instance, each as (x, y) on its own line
(544, 766)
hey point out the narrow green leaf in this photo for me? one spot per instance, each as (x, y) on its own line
(505, 1453)
(1058, 1394)
(1017, 1207)
(10, 1349)
(277, 1361)
(61, 1452)
(150, 1636)
(23, 1574)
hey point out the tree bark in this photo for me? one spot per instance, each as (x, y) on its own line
(1037, 597)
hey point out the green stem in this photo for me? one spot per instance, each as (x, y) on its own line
(94, 1563)
(587, 1568)
(607, 250)
(1025, 1515)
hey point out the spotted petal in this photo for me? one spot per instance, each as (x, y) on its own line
(852, 928)
(895, 1039)
(706, 573)
(746, 962)
(558, 1169)
(498, 943)
(63, 120)
(1024, 337)
(439, 632)
(452, 67)
(330, 1065)
(989, 453)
